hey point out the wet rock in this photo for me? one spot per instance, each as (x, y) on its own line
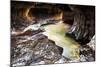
(91, 44)
(62, 60)
(34, 48)
(38, 49)
(87, 52)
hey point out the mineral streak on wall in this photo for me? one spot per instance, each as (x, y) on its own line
(34, 11)
(31, 47)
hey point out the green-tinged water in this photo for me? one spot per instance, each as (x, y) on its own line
(56, 32)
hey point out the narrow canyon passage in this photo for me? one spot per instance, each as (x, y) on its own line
(44, 33)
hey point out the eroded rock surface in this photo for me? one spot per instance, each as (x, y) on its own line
(35, 50)
(31, 47)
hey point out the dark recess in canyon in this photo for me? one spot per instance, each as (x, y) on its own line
(23, 14)
(82, 18)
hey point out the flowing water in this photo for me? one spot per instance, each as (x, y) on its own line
(56, 32)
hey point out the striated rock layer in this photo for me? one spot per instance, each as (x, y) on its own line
(29, 46)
